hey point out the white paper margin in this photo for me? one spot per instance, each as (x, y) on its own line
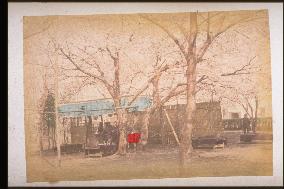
(16, 142)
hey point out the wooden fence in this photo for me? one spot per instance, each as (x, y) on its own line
(263, 124)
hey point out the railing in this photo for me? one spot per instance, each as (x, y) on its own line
(263, 124)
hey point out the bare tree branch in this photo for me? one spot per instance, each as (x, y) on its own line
(172, 93)
(71, 92)
(114, 57)
(238, 102)
(250, 106)
(139, 93)
(171, 35)
(95, 64)
(241, 70)
(103, 80)
(210, 38)
(203, 77)
(157, 73)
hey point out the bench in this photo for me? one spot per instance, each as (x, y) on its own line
(93, 152)
(249, 137)
(70, 148)
(92, 147)
(209, 142)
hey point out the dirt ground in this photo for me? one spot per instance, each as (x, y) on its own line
(234, 160)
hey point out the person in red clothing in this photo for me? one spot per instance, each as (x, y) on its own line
(132, 139)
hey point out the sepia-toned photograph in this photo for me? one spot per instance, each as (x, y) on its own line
(147, 95)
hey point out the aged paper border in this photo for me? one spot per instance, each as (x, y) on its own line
(16, 138)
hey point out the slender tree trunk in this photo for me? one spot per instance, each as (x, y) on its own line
(54, 138)
(64, 130)
(145, 130)
(255, 114)
(40, 139)
(48, 132)
(177, 117)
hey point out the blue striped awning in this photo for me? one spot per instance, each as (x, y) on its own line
(102, 106)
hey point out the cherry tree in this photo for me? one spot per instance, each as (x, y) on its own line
(194, 33)
(105, 62)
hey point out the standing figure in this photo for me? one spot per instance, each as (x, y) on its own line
(253, 125)
(246, 124)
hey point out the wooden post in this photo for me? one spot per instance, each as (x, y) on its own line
(177, 114)
(255, 115)
(56, 114)
(102, 120)
(176, 137)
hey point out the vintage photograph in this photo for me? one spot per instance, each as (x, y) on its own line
(147, 96)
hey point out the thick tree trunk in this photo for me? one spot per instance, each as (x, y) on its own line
(121, 113)
(122, 141)
(186, 131)
(157, 105)
(121, 123)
